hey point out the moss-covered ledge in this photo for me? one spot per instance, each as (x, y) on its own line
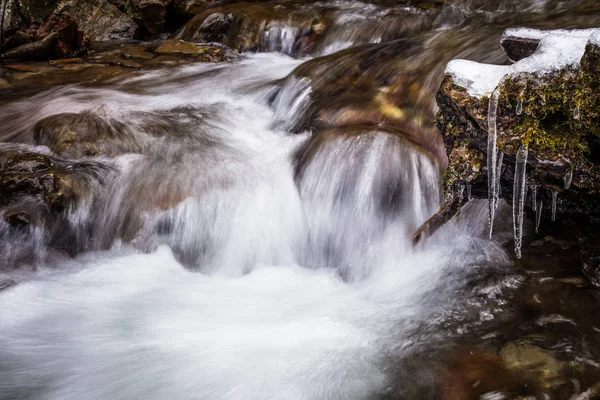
(556, 113)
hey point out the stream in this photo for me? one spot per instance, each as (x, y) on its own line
(218, 250)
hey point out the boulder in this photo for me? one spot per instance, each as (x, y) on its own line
(378, 86)
(192, 7)
(83, 135)
(70, 40)
(100, 20)
(551, 105)
(149, 14)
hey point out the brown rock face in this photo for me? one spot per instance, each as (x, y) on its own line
(192, 7)
(69, 41)
(149, 14)
(100, 20)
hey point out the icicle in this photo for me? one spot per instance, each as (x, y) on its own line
(519, 108)
(538, 215)
(498, 175)
(576, 112)
(554, 199)
(469, 197)
(534, 197)
(568, 178)
(492, 158)
(519, 187)
(461, 192)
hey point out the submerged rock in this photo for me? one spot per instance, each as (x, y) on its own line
(83, 135)
(206, 53)
(100, 20)
(378, 86)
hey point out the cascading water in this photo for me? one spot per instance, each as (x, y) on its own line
(314, 271)
(228, 249)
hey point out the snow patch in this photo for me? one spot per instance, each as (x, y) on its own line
(557, 49)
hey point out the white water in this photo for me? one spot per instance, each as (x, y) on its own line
(240, 279)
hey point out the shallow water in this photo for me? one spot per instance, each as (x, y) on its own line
(212, 261)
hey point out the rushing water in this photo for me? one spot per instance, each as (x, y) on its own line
(222, 257)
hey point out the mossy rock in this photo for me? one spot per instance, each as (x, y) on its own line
(559, 122)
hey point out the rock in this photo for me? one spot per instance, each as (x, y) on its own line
(172, 46)
(375, 86)
(136, 51)
(31, 174)
(192, 7)
(13, 19)
(64, 61)
(83, 135)
(534, 364)
(518, 48)
(149, 14)
(205, 53)
(39, 190)
(17, 218)
(35, 68)
(557, 114)
(36, 10)
(41, 50)
(100, 20)
(70, 40)
(255, 27)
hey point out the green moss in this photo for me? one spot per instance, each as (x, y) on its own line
(551, 103)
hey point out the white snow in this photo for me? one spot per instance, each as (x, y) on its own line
(595, 37)
(557, 49)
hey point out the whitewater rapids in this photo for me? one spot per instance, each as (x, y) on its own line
(262, 285)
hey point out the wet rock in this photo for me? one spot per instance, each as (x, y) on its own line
(533, 363)
(149, 14)
(31, 174)
(83, 135)
(556, 114)
(100, 20)
(17, 218)
(518, 48)
(41, 50)
(136, 51)
(205, 53)
(370, 86)
(70, 40)
(256, 27)
(80, 73)
(64, 61)
(192, 7)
